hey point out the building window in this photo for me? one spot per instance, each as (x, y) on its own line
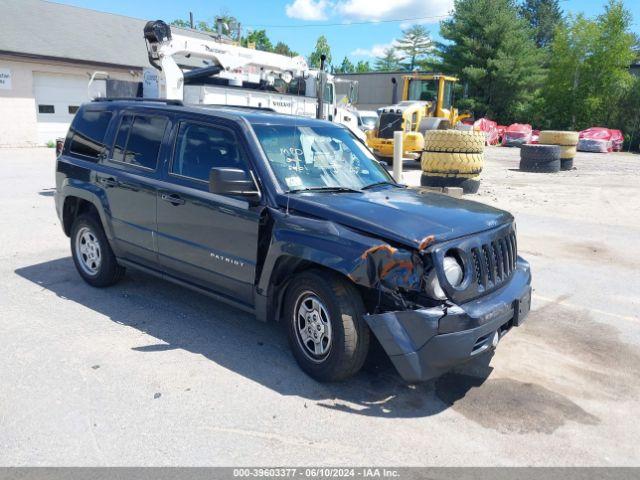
(73, 109)
(46, 109)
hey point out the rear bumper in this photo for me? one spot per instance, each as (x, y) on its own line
(425, 343)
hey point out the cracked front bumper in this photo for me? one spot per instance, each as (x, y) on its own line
(425, 343)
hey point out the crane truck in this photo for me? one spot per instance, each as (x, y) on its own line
(245, 77)
(427, 104)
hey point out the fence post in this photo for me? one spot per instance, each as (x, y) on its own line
(397, 156)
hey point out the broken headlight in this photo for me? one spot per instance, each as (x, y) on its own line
(453, 271)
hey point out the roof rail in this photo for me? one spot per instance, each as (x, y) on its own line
(168, 101)
(238, 107)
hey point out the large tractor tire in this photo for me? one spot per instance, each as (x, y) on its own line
(555, 137)
(540, 158)
(452, 163)
(470, 183)
(454, 141)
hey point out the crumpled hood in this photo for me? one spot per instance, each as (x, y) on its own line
(405, 216)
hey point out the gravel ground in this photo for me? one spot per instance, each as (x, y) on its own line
(147, 373)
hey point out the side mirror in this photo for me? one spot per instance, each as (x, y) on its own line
(232, 181)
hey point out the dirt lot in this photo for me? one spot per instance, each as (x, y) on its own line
(146, 373)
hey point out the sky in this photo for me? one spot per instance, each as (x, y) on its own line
(358, 29)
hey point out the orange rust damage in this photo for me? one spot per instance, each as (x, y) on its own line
(377, 248)
(426, 241)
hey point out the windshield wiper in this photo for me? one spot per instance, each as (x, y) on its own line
(385, 182)
(323, 189)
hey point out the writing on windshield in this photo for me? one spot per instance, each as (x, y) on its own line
(304, 157)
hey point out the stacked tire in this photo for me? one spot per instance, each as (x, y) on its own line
(540, 158)
(567, 141)
(453, 158)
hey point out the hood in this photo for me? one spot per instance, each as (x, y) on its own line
(404, 216)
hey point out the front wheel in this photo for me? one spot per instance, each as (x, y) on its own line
(327, 333)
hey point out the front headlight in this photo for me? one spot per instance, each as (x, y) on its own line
(454, 273)
(453, 270)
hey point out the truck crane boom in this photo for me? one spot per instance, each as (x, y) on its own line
(234, 63)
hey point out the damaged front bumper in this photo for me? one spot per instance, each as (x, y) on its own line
(425, 343)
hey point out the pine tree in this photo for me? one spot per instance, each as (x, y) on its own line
(543, 16)
(389, 61)
(491, 49)
(322, 48)
(363, 67)
(415, 45)
(346, 66)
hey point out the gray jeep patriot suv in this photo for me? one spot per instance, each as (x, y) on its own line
(294, 220)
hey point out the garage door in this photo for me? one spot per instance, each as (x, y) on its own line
(57, 97)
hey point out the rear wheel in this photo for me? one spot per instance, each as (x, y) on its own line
(92, 253)
(327, 333)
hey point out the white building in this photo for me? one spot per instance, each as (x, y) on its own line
(48, 53)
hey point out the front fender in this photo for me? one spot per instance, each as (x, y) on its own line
(368, 261)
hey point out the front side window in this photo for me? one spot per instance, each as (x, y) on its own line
(318, 157)
(87, 133)
(423, 90)
(199, 148)
(138, 140)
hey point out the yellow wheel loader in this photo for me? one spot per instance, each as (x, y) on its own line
(427, 104)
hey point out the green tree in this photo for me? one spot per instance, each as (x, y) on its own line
(363, 67)
(322, 48)
(589, 82)
(282, 48)
(229, 24)
(260, 39)
(389, 61)
(346, 66)
(543, 16)
(491, 49)
(414, 46)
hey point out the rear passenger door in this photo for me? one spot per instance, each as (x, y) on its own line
(207, 239)
(131, 184)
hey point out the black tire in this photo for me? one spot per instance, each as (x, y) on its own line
(108, 272)
(468, 185)
(540, 158)
(349, 334)
(566, 163)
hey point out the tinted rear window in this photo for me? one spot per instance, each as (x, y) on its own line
(87, 133)
(138, 140)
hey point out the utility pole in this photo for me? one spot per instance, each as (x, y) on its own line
(320, 93)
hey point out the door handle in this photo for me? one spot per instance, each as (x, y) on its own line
(109, 182)
(172, 198)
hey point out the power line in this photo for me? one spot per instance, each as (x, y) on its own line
(348, 24)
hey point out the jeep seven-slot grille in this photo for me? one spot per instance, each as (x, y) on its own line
(494, 262)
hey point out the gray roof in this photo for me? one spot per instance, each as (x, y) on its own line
(46, 29)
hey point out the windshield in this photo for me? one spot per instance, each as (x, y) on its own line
(369, 120)
(319, 157)
(423, 90)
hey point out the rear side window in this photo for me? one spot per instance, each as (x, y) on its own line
(199, 148)
(138, 140)
(87, 133)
